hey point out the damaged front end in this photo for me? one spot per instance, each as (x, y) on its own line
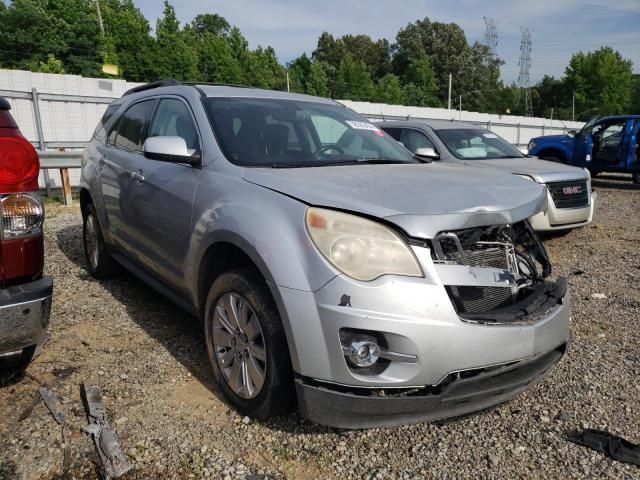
(497, 274)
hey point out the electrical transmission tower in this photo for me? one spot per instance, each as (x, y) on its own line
(491, 34)
(524, 65)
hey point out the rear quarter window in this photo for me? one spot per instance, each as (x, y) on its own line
(111, 109)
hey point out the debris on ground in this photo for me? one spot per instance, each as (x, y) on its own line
(612, 445)
(114, 461)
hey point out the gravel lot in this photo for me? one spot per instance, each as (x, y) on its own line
(148, 357)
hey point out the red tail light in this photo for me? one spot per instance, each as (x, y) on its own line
(19, 165)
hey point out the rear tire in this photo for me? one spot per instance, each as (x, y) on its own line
(247, 346)
(636, 178)
(100, 264)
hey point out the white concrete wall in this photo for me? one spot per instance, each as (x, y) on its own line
(75, 121)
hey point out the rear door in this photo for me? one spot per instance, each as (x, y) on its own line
(124, 146)
(161, 197)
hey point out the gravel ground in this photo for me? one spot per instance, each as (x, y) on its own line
(149, 359)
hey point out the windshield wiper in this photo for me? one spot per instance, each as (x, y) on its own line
(337, 163)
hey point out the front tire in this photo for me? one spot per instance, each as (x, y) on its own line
(99, 262)
(551, 158)
(246, 344)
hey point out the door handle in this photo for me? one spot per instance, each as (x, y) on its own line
(138, 177)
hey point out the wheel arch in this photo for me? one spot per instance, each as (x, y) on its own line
(553, 152)
(227, 251)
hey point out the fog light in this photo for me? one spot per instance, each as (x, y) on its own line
(362, 353)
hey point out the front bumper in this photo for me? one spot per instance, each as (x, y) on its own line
(363, 408)
(563, 218)
(416, 317)
(24, 316)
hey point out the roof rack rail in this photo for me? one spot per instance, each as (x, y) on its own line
(218, 84)
(168, 82)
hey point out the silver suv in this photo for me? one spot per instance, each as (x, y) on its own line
(324, 261)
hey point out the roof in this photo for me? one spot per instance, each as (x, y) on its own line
(434, 124)
(224, 90)
(4, 104)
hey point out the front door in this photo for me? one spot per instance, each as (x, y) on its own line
(608, 144)
(124, 145)
(162, 198)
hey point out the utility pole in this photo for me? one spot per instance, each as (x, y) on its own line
(99, 17)
(523, 76)
(573, 107)
(287, 80)
(450, 80)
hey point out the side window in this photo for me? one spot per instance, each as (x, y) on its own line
(173, 119)
(111, 109)
(396, 133)
(413, 140)
(129, 131)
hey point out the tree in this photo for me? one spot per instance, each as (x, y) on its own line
(263, 70)
(52, 65)
(210, 23)
(420, 89)
(635, 96)
(602, 82)
(176, 58)
(299, 71)
(475, 72)
(353, 80)
(329, 50)
(317, 82)
(389, 90)
(375, 55)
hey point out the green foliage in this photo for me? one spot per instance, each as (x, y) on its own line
(602, 81)
(389, 90)
(353, 80)
(52, 65)
(65, 36)
(176, 58)
(317, 82)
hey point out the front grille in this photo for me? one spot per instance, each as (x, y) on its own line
(569, 194)
(468, 299)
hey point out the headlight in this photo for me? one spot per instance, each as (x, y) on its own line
(360, 248)
(531, 145)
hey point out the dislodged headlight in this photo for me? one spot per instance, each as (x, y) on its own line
(360, 248)
(22, 215)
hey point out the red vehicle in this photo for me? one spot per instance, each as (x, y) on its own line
(25, 294)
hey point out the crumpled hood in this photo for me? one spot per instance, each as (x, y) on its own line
(421, 199)
(542, 171)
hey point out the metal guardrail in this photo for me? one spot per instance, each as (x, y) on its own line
(62, 161)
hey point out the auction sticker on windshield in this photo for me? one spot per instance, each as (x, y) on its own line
(364, 126)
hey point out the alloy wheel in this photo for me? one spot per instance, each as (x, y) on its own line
(239, 346)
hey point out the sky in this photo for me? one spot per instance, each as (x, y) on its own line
(560, 27)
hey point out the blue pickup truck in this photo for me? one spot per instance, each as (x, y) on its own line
(605, 144)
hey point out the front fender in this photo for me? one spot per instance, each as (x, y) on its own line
(267, 226)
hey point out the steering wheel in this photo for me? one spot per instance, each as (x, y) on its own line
(327, 148)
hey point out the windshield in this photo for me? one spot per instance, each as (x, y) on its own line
(289, 133)
(477, 144)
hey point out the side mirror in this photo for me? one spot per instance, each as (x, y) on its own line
(572, 132)
(169, 149)
(427, 152)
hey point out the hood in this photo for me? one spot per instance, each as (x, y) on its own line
(542, 171)
(421, 199)
(552, 138)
